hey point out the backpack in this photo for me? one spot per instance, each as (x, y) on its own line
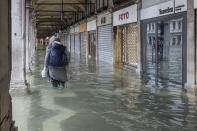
(57, 56)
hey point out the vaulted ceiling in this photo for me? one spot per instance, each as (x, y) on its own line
(48, 13)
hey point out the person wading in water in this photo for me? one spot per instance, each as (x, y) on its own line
(56, 60)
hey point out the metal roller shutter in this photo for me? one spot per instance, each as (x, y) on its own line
(105, 47)
(77, 45)
(132, 44)
(72, 45)
(83, 45)
(68, 42)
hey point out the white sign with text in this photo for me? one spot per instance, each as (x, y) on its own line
(125, 16)
(166, 8)
(195, 4)
(91, 25)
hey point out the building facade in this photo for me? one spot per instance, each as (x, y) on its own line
(164, 42)
(154, 44)
(125, 20)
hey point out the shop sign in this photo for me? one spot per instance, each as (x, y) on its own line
(180, 5)
(77, 29)
(82, 28)
(104, 19)
(195, 4)
(166, 11)
(91, 25)
(167, 8)
(125, 16)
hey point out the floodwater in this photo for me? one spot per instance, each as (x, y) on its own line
(101, 98)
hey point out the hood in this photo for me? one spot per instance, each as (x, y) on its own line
(57, 46)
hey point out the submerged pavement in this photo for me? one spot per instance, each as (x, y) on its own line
(101, 98)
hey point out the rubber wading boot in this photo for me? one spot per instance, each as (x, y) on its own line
(61, 86)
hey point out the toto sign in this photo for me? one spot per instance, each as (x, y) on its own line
(125, 16)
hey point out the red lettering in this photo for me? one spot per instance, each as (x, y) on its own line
(127, 15)
(119, 17)
(124, 16)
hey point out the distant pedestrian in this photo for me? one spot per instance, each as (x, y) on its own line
(56, 60)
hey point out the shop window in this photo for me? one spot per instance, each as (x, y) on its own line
(174, 25)
(179, 37)
(174, 41)
(90, 8)
(148, 28)
(150, 41)
(153, 26)
(180, 24)
(101, 5)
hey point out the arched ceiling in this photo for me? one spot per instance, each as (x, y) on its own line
(48, 13)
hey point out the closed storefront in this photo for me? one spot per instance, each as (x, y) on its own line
(72, 42)
(68, 41)
(126, 21)
(77, 41)
(62, 36)
(92, 39)
(105, 42)
(83, 41)
(164, 42)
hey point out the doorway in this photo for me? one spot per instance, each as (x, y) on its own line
(92, 40)
(164, 51)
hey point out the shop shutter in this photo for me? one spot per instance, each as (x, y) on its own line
(72, 45)
(77, 44)
(132, 44)
(83, 45)
(68, 42)
(105, 47)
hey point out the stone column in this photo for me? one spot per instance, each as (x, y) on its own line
(6, 123)
(27, 36)
(18, 77)
(139, 66)
(32, 40)
(190, 47)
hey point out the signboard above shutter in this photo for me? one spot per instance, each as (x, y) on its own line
(180, 5)
(166, 8)
(104, 19)
(82, 28)
(91, 25)
(125, 16)
(195, 4)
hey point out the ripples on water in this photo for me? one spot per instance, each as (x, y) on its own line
(112, 99)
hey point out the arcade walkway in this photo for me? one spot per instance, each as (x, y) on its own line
(99, 98)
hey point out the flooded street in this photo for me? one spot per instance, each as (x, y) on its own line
(101, 98)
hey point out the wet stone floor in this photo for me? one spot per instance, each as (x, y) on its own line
(99, 98)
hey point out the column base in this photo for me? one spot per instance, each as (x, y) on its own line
(138, 71)
(18, 84)
(191, 89)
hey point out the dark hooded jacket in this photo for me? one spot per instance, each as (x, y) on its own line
(57, 56)
(57, 73)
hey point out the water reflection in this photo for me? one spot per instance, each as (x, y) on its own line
(103, 98)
